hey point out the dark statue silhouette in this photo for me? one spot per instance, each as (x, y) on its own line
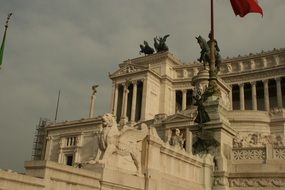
(146, 49)
(160, 43)
(205, 56)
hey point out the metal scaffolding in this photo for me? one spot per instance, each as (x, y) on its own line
(40, 139)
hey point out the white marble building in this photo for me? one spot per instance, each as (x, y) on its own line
(151, 141)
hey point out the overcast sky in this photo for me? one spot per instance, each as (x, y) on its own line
(71, 45)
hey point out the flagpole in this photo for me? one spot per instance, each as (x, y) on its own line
(212, 19)
(57, 105)
(3, 40)
(6, 25)
(212, 39)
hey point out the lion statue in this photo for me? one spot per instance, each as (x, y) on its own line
(123, 142)
(108, 136)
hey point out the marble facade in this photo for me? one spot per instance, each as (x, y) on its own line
(149, 140)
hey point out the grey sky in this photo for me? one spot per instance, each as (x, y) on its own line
(72, 44)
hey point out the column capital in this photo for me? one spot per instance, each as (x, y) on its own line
(127, 90)
(115, 85)
(124, 84)
(265, 81)
(241, 84)
(253, 83)
(143, 79)
(184, 90)
(120, 83)
(134, 82)
(277, 79)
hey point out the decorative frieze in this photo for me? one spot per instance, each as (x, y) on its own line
(129, 69)
(257, 140)
(279, 153)
(257, 182)
(221, 181)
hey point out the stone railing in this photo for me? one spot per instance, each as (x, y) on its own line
(258, 168)
(249, 153)
(259, 153)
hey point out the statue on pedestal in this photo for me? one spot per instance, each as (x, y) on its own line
(177, 139)
(146, 49)
(160, 43)
(205, 51)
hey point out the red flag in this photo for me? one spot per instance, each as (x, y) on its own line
(243, 7)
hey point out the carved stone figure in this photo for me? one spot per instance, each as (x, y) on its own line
(108, 136)
(146, 49)
(125, 142)
(160, 43)
(257, 140)
(177, 139)
(237, 141)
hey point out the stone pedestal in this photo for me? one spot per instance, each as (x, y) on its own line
(218, 129)
(201, 80)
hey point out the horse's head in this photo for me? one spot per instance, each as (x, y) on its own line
(202, 42)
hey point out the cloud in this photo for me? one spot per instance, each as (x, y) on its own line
(71, 44)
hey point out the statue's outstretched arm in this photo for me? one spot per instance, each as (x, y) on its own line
(165, 37)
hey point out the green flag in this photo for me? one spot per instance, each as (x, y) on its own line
(3, 41)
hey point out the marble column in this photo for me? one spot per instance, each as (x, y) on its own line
(174, 101)
(241, 96)
(92, 103)
(91, 111)
(115, 101)
(253, 95)
(266, 95)
(279, 92)
(231, 96)
(60, 153)
(184, 99)
(144, 97)
(125, 102)
(188, 141)
(134, 101)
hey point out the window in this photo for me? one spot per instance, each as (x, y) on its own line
(70, 141)
(69, 160)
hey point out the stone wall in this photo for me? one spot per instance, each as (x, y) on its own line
(10, 180)
(47, 175)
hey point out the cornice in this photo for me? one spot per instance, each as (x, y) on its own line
(75, 123)
(154, 58)
(255, 56)
(254, 74)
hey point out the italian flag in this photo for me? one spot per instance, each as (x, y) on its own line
(243, 7)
